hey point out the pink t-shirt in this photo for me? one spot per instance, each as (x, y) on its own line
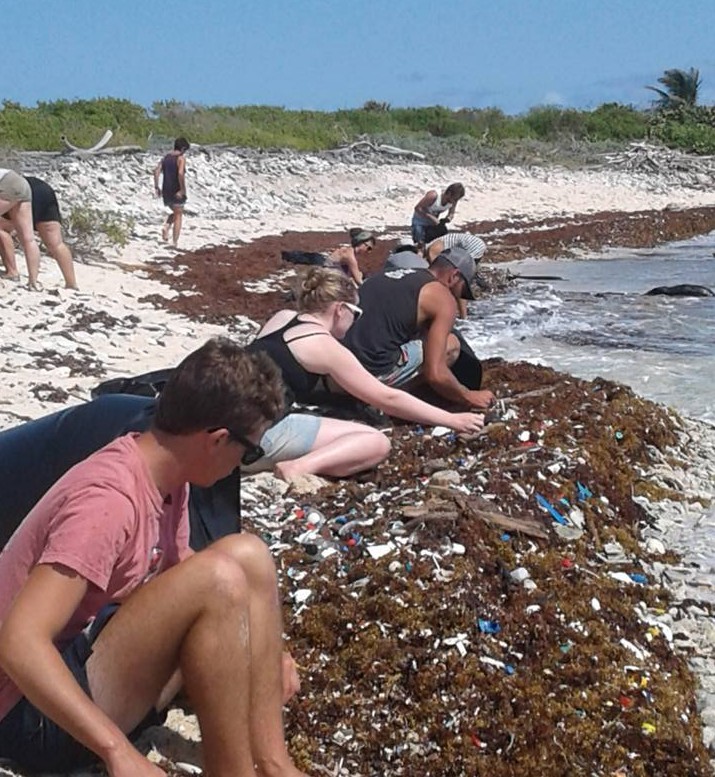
(106, 520)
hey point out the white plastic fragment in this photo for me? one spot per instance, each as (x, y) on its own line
(440, 431)
(302, 595)
(639, 652)
(520, 574)
(378, 551)
(492, 661)
(595, 604)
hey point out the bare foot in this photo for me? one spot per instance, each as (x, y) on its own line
(165, 233)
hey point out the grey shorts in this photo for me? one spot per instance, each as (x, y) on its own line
(15, 188)
(409, 364)
(291, 438)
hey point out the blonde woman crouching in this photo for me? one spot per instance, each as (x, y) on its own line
(306, 347)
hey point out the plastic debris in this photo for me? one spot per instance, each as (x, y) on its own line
(544, 503)
(582, 492)
(488, 627)
(378, 551)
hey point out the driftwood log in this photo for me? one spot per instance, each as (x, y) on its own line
(455, 505)
(678, 168)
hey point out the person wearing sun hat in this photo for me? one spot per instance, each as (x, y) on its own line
(406, 330)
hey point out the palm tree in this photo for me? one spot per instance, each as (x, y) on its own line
(681, 88)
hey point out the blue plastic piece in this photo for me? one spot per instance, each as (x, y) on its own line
(555, 514)
(637, 577)
(488, 627)
(506, 536)
(584, 492)
(509, 669)
(419, 430)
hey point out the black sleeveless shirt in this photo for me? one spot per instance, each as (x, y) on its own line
(389, 302)
(299, 382)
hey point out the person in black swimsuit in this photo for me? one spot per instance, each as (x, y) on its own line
(172, 170)
(305, 347)
(47, 222)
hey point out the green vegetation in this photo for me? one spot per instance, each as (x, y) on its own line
(681, 88)
(91, 231)
(675, 120)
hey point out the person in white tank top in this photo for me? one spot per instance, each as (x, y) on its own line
(429, 209)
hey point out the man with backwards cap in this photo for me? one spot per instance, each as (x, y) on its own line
(405, 331)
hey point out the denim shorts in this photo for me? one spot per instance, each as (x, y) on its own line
(418, 230)
(408, 365)
(36, 743)
(291, 438)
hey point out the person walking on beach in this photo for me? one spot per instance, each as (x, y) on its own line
(305, 347)
(105, 611)
(406, 330)
(172, 171)
(16, 207)
(47, 222)
(347, 258)
(426, 222)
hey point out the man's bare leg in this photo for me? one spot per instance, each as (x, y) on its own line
(266, 720)
(51, 234)
(167, 227)
(198, 616)
(178, 218)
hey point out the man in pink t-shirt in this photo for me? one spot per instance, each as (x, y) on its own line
(105, 611)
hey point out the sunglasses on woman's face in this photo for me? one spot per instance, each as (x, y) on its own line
(253, 451)
(354, 309)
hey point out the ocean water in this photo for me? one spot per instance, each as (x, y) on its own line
(596, 322)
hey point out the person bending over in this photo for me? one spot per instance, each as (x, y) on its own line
(426, 217)
(47, 222)
(305, 347)
(406, 330)
(409, 259)
(347, 257)
(16, 207)
(172, 170)
(108, 546)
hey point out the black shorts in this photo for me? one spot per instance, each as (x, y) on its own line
(174, 202)
(44, 202)
(37, 744)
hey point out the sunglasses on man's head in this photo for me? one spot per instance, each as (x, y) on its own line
(253, 451)
(354, 309)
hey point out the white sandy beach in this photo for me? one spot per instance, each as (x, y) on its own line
(231, 198)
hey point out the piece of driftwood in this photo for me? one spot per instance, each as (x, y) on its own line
(381, 148)
(470, 507)
(101, 143)
(484, 510)
(681, 169)
(430, 511)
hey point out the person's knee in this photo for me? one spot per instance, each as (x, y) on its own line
(253, 557)
(380, 446)
(222, 579)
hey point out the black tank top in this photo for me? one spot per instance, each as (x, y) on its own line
(389, 302)
(170, 175)
(299, 382)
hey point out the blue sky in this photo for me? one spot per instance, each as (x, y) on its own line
(327, 54)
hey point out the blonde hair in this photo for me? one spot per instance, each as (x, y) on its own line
(320, 287)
